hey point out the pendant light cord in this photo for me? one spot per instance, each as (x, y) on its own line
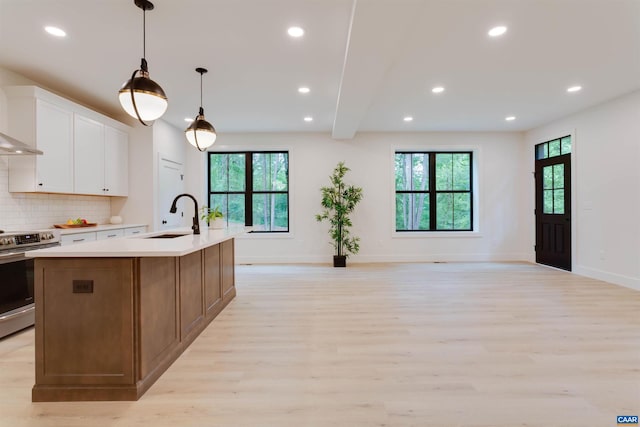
(201, 91)
(144, 33)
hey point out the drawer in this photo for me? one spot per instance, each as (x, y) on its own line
(69, 239)
(109, 234)
(132, 231)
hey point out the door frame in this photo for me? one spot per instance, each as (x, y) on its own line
(534, 140)
(156, 217)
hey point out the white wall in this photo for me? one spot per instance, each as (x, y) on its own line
(146, 144)
(170, 143)
(371, 159)
(606, 189)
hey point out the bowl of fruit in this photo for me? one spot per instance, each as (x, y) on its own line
(76, 223)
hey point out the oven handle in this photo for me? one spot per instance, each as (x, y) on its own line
(11, 257)
(8, 317)
(19, 256)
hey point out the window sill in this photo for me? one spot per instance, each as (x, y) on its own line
(435, 234)
(287, 235)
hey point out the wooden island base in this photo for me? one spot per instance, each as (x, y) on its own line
(107, 328)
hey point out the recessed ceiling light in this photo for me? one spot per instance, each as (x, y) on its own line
(408, 119)
(308, 119)
(295, 32)
(55, 31)
(510, 118)
(188, 119)
(437, 89)
(497, 31)
(304, 89)
(574, 89)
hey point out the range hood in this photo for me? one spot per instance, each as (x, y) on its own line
(13, 147)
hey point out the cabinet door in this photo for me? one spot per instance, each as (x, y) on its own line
(116, 162)
(227, 266)
(54, 136)
(88, 156)
(70, 239)
(132, 231)
(109, 234)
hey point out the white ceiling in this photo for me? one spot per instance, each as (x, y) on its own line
(368, 63)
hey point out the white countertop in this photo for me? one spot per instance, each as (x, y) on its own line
(142, 245)
(99, 227)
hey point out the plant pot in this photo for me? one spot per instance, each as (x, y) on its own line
(216, 224)
(339, 260)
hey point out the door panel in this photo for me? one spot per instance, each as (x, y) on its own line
(553, 211)
(170, 184)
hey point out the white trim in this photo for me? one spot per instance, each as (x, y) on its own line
(435, 234)
(361, 259)
(613, 278)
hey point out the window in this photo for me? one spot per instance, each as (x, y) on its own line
(434, 191)
(553, 175)
(251, 188)
(553, 148)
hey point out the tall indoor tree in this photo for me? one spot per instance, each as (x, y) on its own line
(339, 200)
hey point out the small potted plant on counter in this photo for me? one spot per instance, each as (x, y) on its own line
(213, 216)
(338, 201)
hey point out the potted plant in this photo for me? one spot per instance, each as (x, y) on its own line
(213, 216)
(338, 201)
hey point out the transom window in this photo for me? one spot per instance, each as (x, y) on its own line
(251, 188)
(434, 191)
(553, 148)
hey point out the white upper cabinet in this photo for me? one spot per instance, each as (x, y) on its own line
(49, 128)
(116, 162)
(88, 156)
(101, 155)
(54, 137)
(84, 152)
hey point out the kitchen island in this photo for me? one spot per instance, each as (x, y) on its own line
(113, 315)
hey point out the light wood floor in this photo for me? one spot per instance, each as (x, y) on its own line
(478, 344)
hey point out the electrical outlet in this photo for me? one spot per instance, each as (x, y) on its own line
(83, 286)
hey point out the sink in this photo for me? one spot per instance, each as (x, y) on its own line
(167, 236)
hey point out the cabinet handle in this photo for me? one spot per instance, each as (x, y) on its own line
(135, 232)
(164, 222)
(111, 235)
(40, 184)
(78, 240)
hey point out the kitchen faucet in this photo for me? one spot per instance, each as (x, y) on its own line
(196, 225)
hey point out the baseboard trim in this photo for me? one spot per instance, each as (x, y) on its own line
(359, 259)
(616, 279)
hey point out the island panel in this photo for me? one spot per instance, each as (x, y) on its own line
(107, 328)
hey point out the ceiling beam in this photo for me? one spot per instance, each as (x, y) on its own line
(377, 32)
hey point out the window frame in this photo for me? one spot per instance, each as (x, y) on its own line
(248, 191)
(432, 193)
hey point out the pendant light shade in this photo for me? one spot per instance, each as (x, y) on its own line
(141, 97)
(200, 133)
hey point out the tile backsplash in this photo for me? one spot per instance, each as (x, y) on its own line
(30, 211)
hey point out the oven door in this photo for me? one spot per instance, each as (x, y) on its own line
(17, 309)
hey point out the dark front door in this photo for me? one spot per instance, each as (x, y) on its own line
(553, 211)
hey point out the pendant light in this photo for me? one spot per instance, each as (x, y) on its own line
(200, 133)
(141, 97)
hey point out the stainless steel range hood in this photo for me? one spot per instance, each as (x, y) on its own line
(12, 147)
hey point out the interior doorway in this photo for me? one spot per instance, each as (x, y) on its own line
(553, 203)
(170, 184)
